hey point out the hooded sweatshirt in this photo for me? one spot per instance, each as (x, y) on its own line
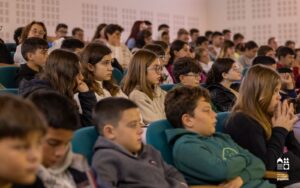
(214, 159)
(71, 173)
(117, 167)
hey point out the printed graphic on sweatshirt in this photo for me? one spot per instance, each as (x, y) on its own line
(228, 153)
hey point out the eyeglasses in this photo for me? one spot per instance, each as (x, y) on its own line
(163, 57)
(196, 75)
(62, 31)
(158, 69)
(34, 31)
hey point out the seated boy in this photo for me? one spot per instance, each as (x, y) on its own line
(201, 154)
(120, 159)
(22, 129)
(187, 72)
(60, 166)
(34, 51)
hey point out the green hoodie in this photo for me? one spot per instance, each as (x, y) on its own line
(214, 159)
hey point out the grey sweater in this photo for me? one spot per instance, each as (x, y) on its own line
(117, 167)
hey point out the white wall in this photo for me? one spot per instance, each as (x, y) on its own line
(256, 19)
(89, 13)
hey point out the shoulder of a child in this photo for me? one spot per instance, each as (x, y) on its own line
(79, 162)
(136, 94)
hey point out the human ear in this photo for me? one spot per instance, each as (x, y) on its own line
(187, 121)
(109, 132)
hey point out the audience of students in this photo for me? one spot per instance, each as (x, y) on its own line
(73, 86)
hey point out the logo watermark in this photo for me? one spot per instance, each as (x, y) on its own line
(283, 165)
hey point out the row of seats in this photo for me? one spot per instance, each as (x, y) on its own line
(85, 138)
(8, 75)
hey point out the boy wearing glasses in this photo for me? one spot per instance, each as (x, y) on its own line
(120, 158)
(187, 72)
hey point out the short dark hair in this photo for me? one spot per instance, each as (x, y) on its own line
(75, 30)
(222, 65)
(110, 110)
(200, 40)
(162, 44)
(161, 26)
(61, 25)
(71, 44)
(289, 42)
(30, 45)
(183, 66)
(183, 100)
(157, 49)
(208, 33)
(111, 28)
(225, 31)
(18, 33)
(237, 36)
(59, 111)
(147, 22)
(140, 39)
(182, 31)
(263, 50)
(216, 33)
(284, 51)
(264, 60)
(250, 45)
(19, 118)
(193, 30)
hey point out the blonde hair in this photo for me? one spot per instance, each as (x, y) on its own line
(256, 93)
(136, 77)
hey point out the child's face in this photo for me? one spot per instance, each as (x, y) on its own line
(234, 74)
(39, 57)
(36, 30)
(191, 79)
(55, 146)
(154, 72)
(114, 38)
(183, 52)
(204, 119)
(103, 69)
(275, 99)
(20, 158)
(129, 131)
(288, 60)
(251, 53)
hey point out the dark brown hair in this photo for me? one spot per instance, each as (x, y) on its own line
(19, 118)
(92, 54)
(183, 100)
(61, 69)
